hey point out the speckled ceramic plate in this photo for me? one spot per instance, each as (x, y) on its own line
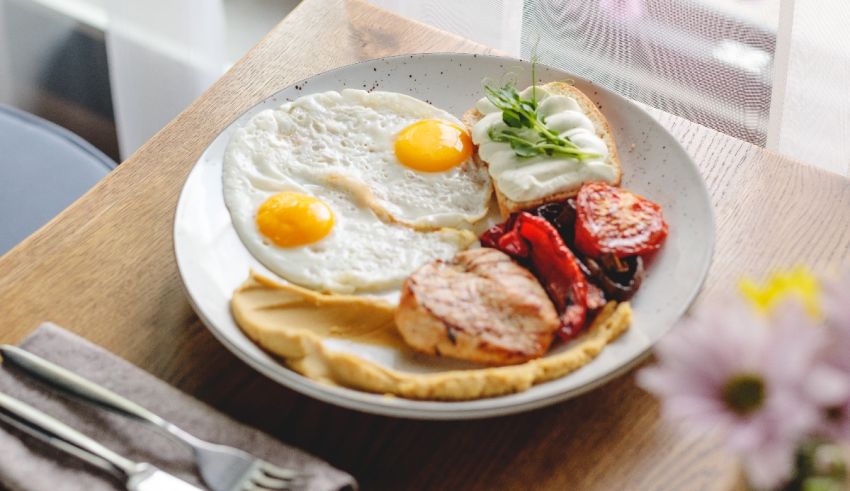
(213, 261)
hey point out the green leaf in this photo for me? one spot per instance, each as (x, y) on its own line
(509, 93)
(512, 119)
(518, 114)
(524, 150)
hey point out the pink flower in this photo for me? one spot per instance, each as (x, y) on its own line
(807, 370)
(622, 9)
(836, 309)
(836, 301)
(836, 424)
(726, 369)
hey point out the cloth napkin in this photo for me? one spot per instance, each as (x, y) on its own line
(27, 464)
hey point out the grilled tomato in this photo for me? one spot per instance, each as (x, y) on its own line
(611, 220)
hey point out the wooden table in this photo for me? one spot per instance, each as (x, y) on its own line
(104, 268)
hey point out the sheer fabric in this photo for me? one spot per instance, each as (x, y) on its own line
(771, 72)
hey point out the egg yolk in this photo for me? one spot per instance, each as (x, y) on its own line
(432, 145)
(292, 219)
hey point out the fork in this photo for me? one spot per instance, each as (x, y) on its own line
(136, 476)
(222, 468)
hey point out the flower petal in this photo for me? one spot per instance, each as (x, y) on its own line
(769, 466)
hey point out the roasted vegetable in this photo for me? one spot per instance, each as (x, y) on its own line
(562, 215)
(611, 220)
(610, 277)
(617, 285)
(529, 236)
(505, 237)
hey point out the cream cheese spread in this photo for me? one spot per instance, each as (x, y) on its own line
(531, 178)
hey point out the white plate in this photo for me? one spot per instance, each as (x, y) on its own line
(213, 261)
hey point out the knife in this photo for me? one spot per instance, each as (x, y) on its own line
(136, 476)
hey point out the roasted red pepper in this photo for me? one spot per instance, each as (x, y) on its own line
(526, 235)
(595, 296)
(505, 237)
(558, 271)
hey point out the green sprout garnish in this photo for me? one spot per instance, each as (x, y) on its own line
(527, 133)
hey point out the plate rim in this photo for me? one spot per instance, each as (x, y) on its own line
(431, 410)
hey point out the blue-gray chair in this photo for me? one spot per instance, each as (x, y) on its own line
(43, 169)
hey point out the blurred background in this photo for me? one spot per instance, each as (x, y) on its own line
(84, 83)
(116, 71)
(771, 72)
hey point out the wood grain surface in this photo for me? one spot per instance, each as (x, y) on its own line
(104, 268)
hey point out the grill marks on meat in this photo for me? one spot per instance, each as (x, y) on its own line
(479, 306)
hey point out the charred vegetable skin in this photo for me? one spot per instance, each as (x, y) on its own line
(611, 220)
(529, 237)
(617, 284)
(584, 250)
(618, 278)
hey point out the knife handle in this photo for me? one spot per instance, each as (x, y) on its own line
(76, 386)
(52, 431)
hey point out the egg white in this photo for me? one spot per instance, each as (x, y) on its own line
(339, 147)
(361, 253)
(350, 135)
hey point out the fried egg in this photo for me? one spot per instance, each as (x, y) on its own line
(322, 237)
(351, 192)
(409, 161)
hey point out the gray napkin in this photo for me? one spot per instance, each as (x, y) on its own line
(27, 464)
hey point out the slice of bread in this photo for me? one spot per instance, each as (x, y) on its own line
(603, 129)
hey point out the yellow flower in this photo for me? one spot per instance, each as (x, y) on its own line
(798, 282)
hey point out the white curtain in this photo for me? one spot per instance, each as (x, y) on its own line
(773, 72)
(814, 122)
(162, 56)
(495, 23)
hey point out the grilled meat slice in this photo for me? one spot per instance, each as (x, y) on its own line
(479, 306)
